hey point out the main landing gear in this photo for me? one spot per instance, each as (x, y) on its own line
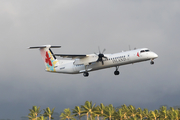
(152, 62)
(116, 72)
(86, 74)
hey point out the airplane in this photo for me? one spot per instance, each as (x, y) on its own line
(85, 63)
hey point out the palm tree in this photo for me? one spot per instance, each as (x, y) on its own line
(176, 114)
(67, 114)
(119, 114)
(139, 113)
(34, 112)
(156, 114)
(173, 114)
(77, 111)
(132, 111)
(102, 108)
(109, 112)
(99, 111)
(125, 111)
(163, 112)
(48, 112)
(42, 118)
(152, 115)
(145, 113)
(88, 108)
(31, 116)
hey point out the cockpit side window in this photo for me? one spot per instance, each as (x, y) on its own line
(144, 51)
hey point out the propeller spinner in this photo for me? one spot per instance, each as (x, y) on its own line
(101, 56)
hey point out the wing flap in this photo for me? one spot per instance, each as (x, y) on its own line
(81, 71)
(80, 58)
(86, 60)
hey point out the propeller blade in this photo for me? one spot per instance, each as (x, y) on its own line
(95, 53)
(106, 57)
(102, 62)
(99, 49)
(103, 51)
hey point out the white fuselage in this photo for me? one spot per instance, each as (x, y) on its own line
(114, 60)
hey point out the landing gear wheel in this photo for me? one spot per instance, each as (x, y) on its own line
(152, 62)
(86, 74)
(116, 72)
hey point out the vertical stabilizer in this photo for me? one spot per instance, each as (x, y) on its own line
(48, 57)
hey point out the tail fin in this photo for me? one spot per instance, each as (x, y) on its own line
(48, 57)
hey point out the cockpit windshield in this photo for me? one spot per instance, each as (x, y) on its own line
(144, 51)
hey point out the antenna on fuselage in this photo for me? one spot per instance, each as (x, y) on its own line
(129, 47)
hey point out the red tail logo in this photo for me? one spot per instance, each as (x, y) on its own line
(138, 54)
(47, 60)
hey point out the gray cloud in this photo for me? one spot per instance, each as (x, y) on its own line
(80, 27)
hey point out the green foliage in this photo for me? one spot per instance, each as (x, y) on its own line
(78, 112)
(109, 112)
(67, 115)
(34, 112)
(139, 113)
(88, 109)
(31, 116)
(48, 113)
(42, 118)
(119, 114)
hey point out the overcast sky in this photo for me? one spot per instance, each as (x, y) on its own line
(80, 26)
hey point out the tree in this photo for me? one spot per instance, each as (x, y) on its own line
(176, 114)
(109, 112)
(32, 116)
(97, 112)
(67, 114)
(139, 113)
(173, 114)
(34, 112)
(88, 109)
(132, 111)
(42, 118)
(48, 113)
(125, 111)
(152, 115)
(102, 108)
(163, 112)
(119, 114)
(77, 112)
(145, 113)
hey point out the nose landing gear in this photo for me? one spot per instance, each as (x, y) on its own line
(152, 62)
(116, 72)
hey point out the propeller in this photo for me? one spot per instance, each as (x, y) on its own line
(101, 56)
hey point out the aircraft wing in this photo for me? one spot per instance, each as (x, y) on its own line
(80, 59)
(73, 56)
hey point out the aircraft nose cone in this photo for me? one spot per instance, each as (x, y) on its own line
(155, 55)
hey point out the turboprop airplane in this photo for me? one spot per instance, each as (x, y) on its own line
(86, 63)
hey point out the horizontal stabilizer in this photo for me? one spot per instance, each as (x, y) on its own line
(44, 46)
